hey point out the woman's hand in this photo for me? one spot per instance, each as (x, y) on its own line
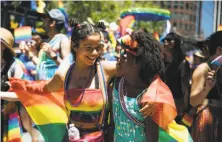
(148, 109)
(48, 49)
(210, 80)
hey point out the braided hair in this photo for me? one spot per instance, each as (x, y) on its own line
(81, 31)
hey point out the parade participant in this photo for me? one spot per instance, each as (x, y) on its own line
(10, 67)
(26, 47)
(54, 52)
(140, 64)
(87, 79)
(173, 57)
(206, 94)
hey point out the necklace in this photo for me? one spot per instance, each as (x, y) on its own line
(121, 88)
(68, 95)
(123, 105)
(84, 78)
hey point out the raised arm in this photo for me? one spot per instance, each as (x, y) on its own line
(58, 79)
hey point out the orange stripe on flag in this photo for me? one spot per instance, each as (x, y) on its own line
(159, 94)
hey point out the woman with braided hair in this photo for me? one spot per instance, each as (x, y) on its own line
(84, 83)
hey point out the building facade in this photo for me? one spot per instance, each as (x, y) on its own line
(183, 16)
(217, 14)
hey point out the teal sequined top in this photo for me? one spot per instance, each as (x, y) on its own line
(125, 129)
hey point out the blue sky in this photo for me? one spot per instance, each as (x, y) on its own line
(207, 17)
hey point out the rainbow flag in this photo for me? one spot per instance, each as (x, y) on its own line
(160, 95)
(46, 110)
(23, 34)
(126, 22)
(11, 123)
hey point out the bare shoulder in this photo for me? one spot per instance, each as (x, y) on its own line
(201, 70)
(109, 68)
(61, 72)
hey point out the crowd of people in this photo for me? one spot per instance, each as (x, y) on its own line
(109, 88)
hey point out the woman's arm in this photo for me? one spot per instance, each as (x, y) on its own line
(58, 79)
(8, 96)
(151, 130)
(109, 69)
(201, 85)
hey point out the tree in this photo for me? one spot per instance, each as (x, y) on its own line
(107, 10)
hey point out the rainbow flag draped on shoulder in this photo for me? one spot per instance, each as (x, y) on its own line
(47, 110)
(169, 131)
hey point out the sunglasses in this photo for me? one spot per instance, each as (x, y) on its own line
(169, 40)
(124, 51)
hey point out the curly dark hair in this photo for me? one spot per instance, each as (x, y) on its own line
(214, 41)
(148, 56)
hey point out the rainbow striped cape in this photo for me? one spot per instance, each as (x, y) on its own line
(47, 110)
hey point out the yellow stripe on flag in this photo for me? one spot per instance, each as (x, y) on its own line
(47, 114)
(14, 133)
(178, 132)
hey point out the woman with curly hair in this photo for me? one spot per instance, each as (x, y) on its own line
(141, 65)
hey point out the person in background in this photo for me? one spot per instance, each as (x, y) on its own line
(26, 47)
(10, 67)
(186, 69)
(202, 45)
(56, 51)
(173, 57)
(109, 54)
(206, 94)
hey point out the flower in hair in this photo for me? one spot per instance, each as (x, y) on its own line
(127, 41)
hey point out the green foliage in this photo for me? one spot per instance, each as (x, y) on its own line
(107, 10)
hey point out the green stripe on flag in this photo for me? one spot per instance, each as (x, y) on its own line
(165, 137)
(53, 132)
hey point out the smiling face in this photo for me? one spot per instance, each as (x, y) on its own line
(89, 49)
